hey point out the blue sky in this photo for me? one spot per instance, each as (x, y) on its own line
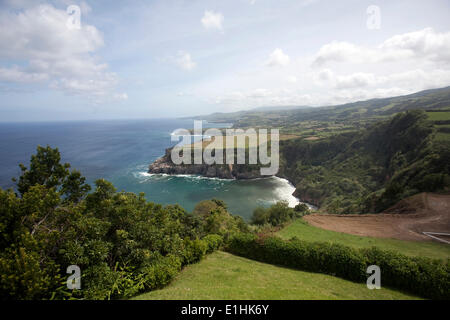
(153, 59)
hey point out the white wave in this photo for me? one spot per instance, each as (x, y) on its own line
(198, 177)
(284, 191)
(175, 133)
(145, 175)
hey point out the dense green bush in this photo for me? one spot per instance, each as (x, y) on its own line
(278, 214)
(214, 241)
(122, 243)
(215, 219)
(422, 276)
(194, 250)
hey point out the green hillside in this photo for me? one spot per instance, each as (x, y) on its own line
(372, 169)
(304, 231)
(224, 276)
(354, 114)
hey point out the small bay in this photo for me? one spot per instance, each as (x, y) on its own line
(120, 151)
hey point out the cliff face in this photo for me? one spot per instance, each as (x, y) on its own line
(222, 171)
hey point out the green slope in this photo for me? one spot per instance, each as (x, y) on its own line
(360, 112)
(225, 276)
(302, 230)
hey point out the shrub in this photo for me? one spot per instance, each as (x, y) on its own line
(422, 276)
(160, 274)
(260, 216)
(194, 250)
(278, 214)
(122, 243)
(301, 208)
(214, 241)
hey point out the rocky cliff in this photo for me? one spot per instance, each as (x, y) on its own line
(223, 171)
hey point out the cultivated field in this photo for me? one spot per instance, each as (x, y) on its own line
(406, 221)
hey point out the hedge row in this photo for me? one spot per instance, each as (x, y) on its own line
(195, 250)
(161, 273)
(213, 241)
(422, 276)
(444, 130)
(441, 122)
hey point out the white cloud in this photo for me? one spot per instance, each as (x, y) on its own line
(292, 79)
(14, 74)
(212, 20)
(325, 75)
(417, 79)
(303, 3)
(278, 58)
(263, 97)
(121, 96)
(345, 96)
(424, 44)
(355, 80)
(49, 52)
(259, 93)
(184, 61)
(338, 51)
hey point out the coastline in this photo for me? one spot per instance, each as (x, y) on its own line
(163, 166)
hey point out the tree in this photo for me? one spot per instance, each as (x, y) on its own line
(260, 216)
(46, 170)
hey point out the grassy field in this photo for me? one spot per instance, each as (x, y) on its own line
(225, 276)
(439, 116)
(442, 136)
(302, 230)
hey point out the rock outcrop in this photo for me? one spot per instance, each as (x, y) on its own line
(164, 165)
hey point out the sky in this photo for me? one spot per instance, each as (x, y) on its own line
(80, 60)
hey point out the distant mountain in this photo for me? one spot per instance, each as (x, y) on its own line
(370, 110)
(282, 108)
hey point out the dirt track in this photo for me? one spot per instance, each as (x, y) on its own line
(405, 221)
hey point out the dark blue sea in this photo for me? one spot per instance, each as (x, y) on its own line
(121, 151)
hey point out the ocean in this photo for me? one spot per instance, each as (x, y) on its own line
(121, 151)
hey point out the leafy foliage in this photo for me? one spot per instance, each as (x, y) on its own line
(215, 219)
(122, 243)
(423, 276)
(278, 214)
(372, 170)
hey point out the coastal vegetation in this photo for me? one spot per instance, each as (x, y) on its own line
(371, 170)
(122, 243)
(304, 231)
(278, 214)
(331, 120)
(364, 160)
(224, 276)
(125, 245)
(360, 157)
(418, 275)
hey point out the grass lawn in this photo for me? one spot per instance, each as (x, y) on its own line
(436, 116)
(302, 230)
(224, 276)
(442, 136)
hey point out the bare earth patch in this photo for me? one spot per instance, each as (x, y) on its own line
(313, 138)
(425, 212)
